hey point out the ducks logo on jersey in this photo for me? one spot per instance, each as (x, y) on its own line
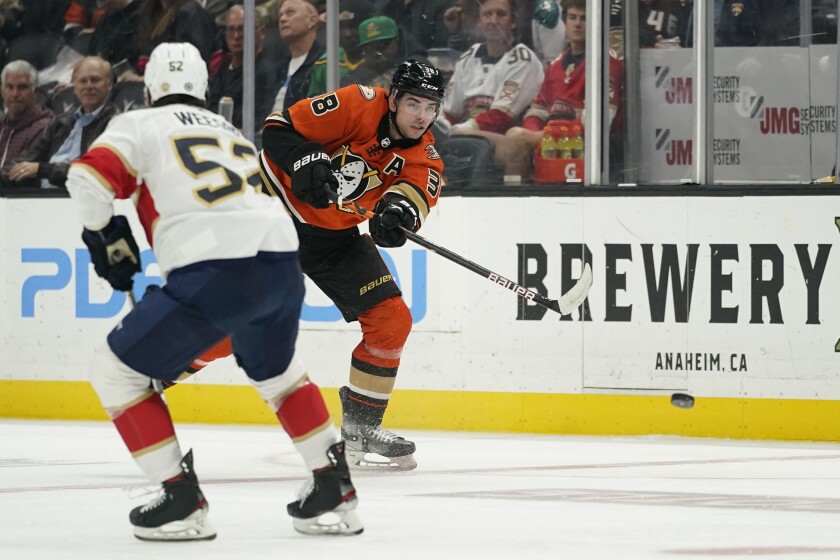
(355, 177)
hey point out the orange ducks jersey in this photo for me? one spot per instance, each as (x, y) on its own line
(351, 124)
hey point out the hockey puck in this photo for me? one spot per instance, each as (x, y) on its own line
(681, 400)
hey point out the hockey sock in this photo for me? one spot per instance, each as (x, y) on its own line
(147, 430)
(374, 363)
(305, 418)
(360, 409)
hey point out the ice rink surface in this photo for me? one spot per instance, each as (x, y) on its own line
(66, 489)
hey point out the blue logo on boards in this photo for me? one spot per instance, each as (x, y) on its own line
(61, 277)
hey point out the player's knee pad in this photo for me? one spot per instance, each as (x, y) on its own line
(274, 389)
(116, 384)
(385, 328)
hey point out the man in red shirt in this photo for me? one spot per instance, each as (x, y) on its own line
(561, 95)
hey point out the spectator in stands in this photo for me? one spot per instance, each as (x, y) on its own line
(171, 21)
(297, 22)
(495, 81)
(113, 37)
(420, 21)
(548, 32)
(767, 23)
(663, 24)
(46, 160)
(24, 118)
(81, 16)
(561, 95)
(460, 21)
(350, 54)
(379, 39)
(11, 12)
(218, 9)
(227, 81)
(269, 9)
(30, 17)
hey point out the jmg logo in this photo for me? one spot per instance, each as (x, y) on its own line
(780, 120)
(678, 90)
(681, 92)
(677, 151)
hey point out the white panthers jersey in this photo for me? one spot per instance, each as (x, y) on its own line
(196, 182)
(479, 84)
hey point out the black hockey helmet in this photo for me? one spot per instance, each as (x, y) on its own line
(418, 78)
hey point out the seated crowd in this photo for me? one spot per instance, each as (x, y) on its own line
(513, 65)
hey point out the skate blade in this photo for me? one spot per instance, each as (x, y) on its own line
(195, 527)
(342, 521)
(359, 460)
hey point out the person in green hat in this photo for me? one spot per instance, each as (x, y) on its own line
(350, 54)
(379, 39)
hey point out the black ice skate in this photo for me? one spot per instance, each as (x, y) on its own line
(178, 514)
(327, 500)
(369, 445)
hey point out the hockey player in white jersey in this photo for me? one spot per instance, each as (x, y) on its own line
(495, 81)
(229, 257)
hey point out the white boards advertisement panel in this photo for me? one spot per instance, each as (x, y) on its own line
(723, 296)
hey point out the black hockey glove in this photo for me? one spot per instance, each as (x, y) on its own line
(114, 253)
(312, 175)
(393, 210)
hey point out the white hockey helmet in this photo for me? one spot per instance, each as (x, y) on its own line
(176, 68)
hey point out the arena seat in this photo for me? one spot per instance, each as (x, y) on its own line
(81, 43)
(39, 49)
(128, 95)
(468, 160)
(64, 101)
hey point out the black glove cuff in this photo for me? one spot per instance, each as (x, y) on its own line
(105, 232)
(109, 228)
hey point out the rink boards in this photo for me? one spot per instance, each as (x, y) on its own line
(733, 299)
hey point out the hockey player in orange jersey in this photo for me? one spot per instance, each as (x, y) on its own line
(372, 147)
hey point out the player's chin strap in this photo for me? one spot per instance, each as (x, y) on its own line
(567, 303)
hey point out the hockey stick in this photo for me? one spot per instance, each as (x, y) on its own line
(567, 303)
